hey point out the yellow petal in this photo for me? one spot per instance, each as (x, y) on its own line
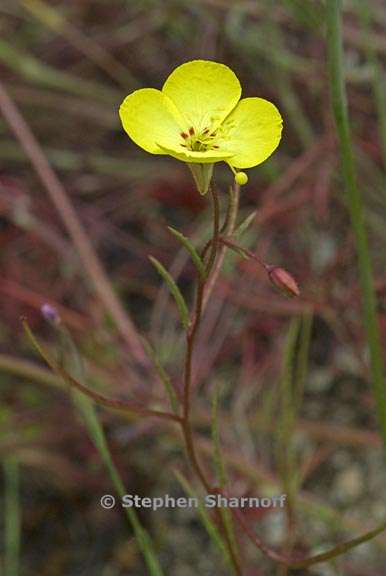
(253, 130)
(150, 118)
(205, 92)
(207, 157)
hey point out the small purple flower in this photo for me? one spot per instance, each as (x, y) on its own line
(50, 314)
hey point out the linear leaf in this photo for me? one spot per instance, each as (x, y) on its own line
(197, 261)
(245, 224)
(164, 376)
(175, 291)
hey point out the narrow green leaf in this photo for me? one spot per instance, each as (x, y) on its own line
(164, 376)
(175, 291)
(245, 224)
(199, 264)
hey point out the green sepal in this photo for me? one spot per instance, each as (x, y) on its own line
(202, 174)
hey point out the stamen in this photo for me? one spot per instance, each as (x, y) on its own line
(206, 131)
(215, 146)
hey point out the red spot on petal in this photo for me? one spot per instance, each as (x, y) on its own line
(191, 131)
(184, 135)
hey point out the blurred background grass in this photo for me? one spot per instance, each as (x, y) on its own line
(67, 66)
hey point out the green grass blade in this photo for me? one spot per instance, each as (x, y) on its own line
(369, 303)
(286, 420)
(86, 407)
(378, 76)
(210, 527)
(340, 549)
(12, 515)
(53, 19)
(175, 291)
(302, 358)
(33, 70)
(96, 432)
(98, 437)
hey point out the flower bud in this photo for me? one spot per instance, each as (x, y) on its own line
(50, 314)
(283, 281)
(241, 178)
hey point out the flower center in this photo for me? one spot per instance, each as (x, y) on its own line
(199, 141)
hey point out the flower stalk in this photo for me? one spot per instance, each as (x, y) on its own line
(191, 335)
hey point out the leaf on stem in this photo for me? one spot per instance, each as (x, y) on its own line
(95, 430)
(245, 224)
(196, 259)
(175, 291)
(164, 376)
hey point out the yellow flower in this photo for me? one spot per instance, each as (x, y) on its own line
(198, 118)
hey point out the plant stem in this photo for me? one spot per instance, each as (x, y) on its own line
(369, 303)
(192, 332)
(227, 230)
(190, 342)
(191, 335)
